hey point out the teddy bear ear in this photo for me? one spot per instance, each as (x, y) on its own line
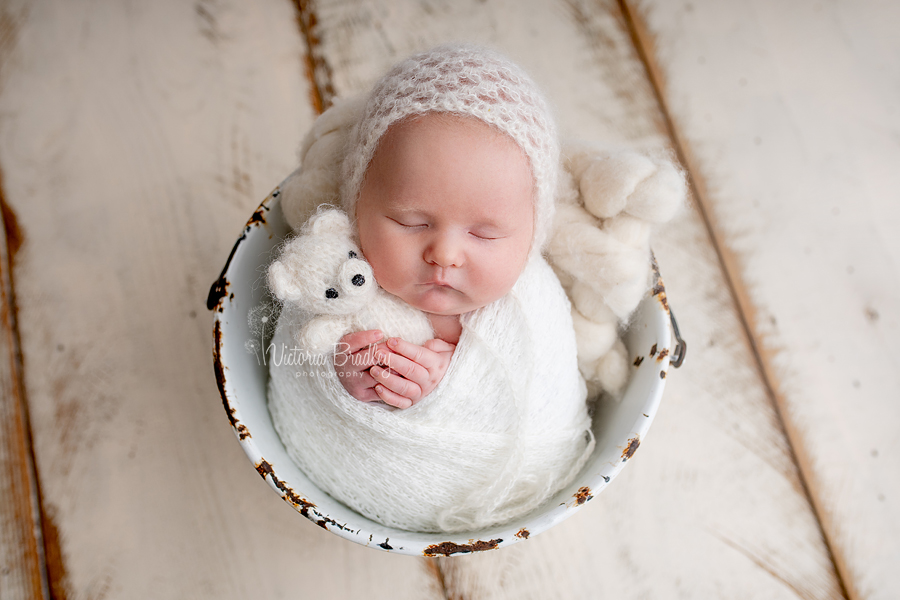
(330, 221)
(281, 282)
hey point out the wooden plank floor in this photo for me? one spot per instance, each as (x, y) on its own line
(136, 138)
(795, 145)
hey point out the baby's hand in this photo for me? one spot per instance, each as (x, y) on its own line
(354, 355)
(405, 373)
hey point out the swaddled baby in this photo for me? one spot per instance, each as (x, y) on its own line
(449, 177)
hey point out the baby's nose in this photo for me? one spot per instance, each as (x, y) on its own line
(444, 251)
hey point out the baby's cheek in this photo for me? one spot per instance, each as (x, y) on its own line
(501, 276)
(373, 250)
(390, 272)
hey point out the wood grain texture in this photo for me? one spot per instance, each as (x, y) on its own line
(136, 139)
(790, 117)
(712, 506)
(21, 564)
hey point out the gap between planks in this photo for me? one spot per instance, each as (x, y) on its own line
(43, 545)
(34, 550)
(318, 71)
(644, 46)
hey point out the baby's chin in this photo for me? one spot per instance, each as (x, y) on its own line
(442, 301)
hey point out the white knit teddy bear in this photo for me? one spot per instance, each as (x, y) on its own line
(330, 290)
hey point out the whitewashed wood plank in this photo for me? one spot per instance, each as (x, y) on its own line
(713, 507)
(21, 566)
(791, 114)
(136, 139)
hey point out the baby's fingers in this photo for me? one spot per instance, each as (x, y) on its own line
(401, 365)
(356, 341)
(418, 354)
(391, 387)
(439, 345)
(392, 398)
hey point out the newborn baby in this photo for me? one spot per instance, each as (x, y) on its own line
(450, 174)
(446, 219)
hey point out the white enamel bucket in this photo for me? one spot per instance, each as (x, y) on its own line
(242, 378)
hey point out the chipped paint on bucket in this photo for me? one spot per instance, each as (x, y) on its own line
(242, 378)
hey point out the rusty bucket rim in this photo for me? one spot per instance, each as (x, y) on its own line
(266, 226)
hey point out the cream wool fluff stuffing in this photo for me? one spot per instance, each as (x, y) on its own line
(608, 202)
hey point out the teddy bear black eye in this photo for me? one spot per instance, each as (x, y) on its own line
(352, 254)
(331, 293)
(358, 280)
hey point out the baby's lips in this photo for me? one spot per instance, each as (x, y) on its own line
(439, 283)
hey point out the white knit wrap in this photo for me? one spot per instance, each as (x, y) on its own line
(468, 81)
(504, 430)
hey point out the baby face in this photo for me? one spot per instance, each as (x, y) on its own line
(446, 213)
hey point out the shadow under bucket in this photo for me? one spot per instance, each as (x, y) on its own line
(242, 376)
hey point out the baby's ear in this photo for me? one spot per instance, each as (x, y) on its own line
(330, 221)
(281, 283)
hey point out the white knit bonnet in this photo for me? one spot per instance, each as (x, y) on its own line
(469, 81)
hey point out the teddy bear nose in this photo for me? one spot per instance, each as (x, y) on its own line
(331, 293)
(358, 280)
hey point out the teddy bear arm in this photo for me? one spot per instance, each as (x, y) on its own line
(320, 335)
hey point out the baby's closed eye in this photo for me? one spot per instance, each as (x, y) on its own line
(408, 224)
(487, 235)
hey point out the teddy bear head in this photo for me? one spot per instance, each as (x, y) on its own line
(321, 270)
